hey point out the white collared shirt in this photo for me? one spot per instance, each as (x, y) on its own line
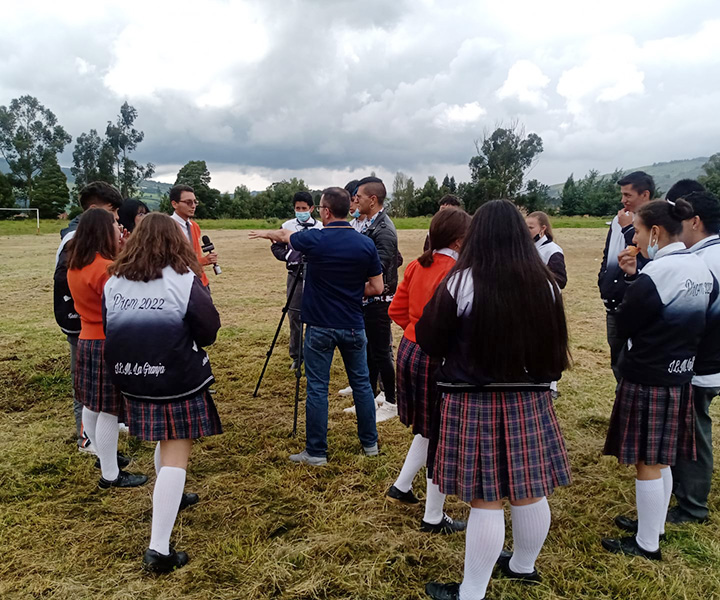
(183, 225)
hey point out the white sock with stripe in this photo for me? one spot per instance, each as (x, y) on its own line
(89, 423)
(651, 510)
(167, 495)
(483, 543)
(530, 526)
(667, 480)
(414, 461)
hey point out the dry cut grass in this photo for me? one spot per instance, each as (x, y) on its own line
(266, 528)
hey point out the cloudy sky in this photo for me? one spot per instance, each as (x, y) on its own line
(330, 89)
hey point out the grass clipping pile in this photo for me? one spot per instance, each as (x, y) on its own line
(266, 528)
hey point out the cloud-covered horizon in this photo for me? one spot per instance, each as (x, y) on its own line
(330, 90)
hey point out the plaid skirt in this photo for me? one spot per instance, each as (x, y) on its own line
(495, 445)
(94, 387)
(188, 419)
(416, 391)
(652, 424)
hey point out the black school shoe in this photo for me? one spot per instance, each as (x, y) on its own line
(446, 526)
(398, 497)
(123, 461)
(188, 499)
(443, 591)
(503, 564)
(628, 545)
(124, 480)
(630, 525)
(677, 516)
(154, 562)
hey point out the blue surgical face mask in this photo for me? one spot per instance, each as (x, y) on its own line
(355, 214)
(302, 216)
(652, 250)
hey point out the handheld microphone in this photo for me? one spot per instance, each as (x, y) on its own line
(208, 246)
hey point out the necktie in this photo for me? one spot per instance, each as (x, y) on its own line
(187, 224)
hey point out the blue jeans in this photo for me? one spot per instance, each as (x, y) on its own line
(320, 344)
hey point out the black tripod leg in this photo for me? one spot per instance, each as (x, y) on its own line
(277, 331)
(298, 375)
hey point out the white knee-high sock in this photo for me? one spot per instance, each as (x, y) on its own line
(106, 432)
(414, 461)
(434, 503)
(166, 502)
(158, 460)
(667, 480)
(483, 543)
(651, 510)
(89, 422)
(530, 526)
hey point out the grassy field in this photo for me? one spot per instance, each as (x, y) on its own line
(266, 528)
(29, 227)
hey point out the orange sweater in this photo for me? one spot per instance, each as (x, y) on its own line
(417, 288)
(86, 286)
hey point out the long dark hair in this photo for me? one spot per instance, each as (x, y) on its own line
(129, 210)
(668, 215)
(517, 320)
(95, 234)
(446, 227)
(156, 243)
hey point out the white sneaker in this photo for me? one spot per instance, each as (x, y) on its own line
(122, 428)
(386, 412)
(379, 399)
(349, 410)
(346, 391)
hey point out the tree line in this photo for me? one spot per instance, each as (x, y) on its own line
(31, 139)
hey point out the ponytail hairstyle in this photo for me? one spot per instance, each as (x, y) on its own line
(668, 215)
(544, 221)
(95, 235)
(706, 206)
(446, 227)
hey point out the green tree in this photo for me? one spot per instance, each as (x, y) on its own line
(93, 160)
(425, 200)
(277, 198)
(29, 132)
(196, 174)
(449, 185)
(51, 193)
(498, 168)
(402, 194)
(535, 197)
(594, 194)
(570, 198)
(123, 139)
(244, 205)
(711, 179)
(7, 197)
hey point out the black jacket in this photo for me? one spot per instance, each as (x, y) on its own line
(283, 252)
(384, 235)
(65, 314)
(612, 280)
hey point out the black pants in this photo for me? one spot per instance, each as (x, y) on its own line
(616, 343)
(379, 348)
(692, 478)
(294, 313)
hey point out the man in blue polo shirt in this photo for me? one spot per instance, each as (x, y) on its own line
(332, 312)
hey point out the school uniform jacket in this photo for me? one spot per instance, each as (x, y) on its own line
(283, 251)
(444, 332)
(552, 255)
(663, 315)
(707, 364)
(155, 333)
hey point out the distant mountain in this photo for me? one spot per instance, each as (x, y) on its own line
(152, 191)
(665, 174)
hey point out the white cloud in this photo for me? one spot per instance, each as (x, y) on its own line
(525, 82)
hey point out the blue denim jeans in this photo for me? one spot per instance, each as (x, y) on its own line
(320, 344)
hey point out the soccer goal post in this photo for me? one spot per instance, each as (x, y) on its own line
(37, 215)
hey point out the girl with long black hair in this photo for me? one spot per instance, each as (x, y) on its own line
(498, 323)
(663, 317)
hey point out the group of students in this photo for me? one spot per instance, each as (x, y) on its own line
(137, 314)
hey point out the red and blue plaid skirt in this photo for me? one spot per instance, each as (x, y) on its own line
(94, 387)
(188, 419)
(495, 445)
(416, 390)
(652, 424)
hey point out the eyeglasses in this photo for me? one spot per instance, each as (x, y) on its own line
(190, 202)
(322, 206)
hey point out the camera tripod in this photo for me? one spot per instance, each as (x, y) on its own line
(299, 276)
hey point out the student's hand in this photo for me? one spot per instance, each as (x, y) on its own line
(124, 235)
(625, 218)
(259, 235)
(627, 260)
(212, 258)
